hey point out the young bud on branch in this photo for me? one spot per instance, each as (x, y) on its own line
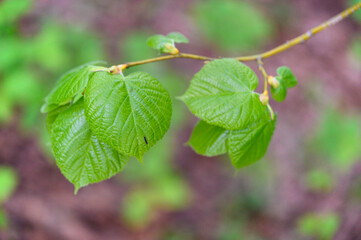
(264, 99)
(118, 69)
(171, 49)
(273, 82)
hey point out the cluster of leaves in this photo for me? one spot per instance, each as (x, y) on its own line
(285, 80)
(119, 116)
(97, 119)
(157, 187)
(233, 119)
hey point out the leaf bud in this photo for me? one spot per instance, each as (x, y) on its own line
(171, 49)
(118, 69)
(264, 99)
(273, 82)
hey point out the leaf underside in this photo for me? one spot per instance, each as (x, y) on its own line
(69, 87)
(208, 140)
(250, 144)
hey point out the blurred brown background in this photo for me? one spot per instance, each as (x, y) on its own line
(307, 187)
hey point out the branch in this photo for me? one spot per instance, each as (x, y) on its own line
(295, 41)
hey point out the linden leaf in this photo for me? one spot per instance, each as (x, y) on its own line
(79, 154)
(129, 113)
(177, 37)
(287, 75)
(208, 140)
(250, 144)
(279, 94)
(222, 94)
(69, 87)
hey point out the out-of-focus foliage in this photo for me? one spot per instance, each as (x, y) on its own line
(234, 230)
(338, 139)
(30, 64)
(233, 25)
(8, 182)
(10, 10)
(356, 48)
(3, 219)
(156, 187)
(319, 180)
(319, 226)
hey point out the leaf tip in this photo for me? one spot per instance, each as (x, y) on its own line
(76, 189)
(140, 159)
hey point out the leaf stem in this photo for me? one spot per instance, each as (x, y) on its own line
(265, 75)
(271, 111)
(167, 57)
(295, 41)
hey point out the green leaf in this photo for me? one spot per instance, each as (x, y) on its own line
(129, 113)
(158, 41)
(279, 94)
(208, 140)
(52, 115)
(46, 107)
(250, 144)
(81, 157)
(222, 94)
(287, 75)
(70, 85)
(177, 37)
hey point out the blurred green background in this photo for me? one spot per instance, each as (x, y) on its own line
(308, 185)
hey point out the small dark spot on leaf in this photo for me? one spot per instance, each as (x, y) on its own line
(145, 140)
